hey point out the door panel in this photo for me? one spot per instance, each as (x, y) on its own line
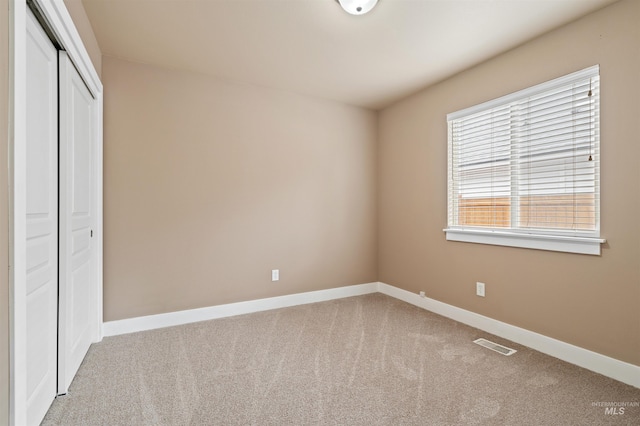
(77, 177)
(42, 220)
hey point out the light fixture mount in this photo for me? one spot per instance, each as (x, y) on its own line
(357, 7)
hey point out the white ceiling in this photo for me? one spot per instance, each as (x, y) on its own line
(314, 48)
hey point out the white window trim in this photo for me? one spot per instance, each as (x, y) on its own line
(563, 243)
(589, 243)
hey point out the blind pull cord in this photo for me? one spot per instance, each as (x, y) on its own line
(590, 115)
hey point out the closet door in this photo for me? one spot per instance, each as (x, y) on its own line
(42, 220)
(77, 218)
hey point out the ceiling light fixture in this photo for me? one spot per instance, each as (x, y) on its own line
(357, 7)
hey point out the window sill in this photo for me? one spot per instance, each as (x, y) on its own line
(568, 244)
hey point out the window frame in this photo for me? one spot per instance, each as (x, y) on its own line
(572, 241)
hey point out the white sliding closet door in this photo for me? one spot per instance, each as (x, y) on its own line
(78, 320)
(55, 206)
(41, 221)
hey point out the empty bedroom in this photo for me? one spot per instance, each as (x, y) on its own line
(268, 212)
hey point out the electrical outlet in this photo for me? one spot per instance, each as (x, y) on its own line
(275, 274)
(422, 294)
(480, 289)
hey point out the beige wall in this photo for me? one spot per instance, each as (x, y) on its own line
(4, 215)
(588, 301)
(81, 21)
(208, 186)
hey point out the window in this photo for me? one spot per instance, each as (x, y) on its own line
(524, 169)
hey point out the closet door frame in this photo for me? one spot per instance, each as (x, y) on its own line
(61, 25)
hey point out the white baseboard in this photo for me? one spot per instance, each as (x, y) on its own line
(150, 322)
(602, 364)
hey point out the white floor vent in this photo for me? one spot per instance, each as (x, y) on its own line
(495, 347)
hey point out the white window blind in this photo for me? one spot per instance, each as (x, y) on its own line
(528, 163)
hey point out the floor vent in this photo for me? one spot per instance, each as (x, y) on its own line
(495, 347)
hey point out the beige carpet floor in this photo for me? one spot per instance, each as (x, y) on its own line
(366, 360)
